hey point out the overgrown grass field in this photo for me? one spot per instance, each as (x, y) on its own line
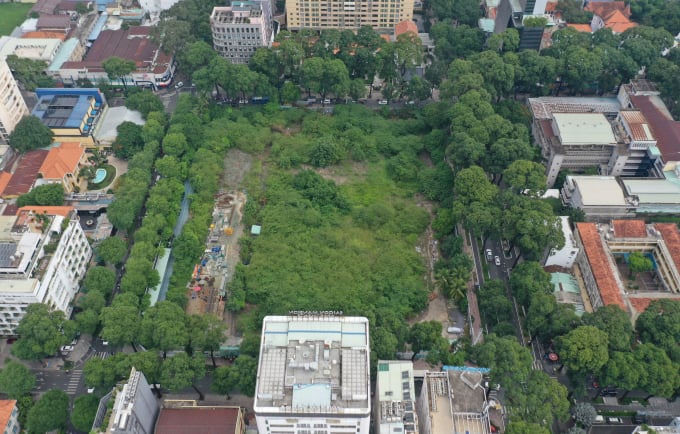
(11, 15)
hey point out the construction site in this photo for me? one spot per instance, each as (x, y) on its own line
(207, 289)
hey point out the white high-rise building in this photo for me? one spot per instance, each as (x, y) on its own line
(313, 375)
(240, 29)
(43, 258)
(12, 104)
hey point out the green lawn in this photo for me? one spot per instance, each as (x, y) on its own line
(11, 15)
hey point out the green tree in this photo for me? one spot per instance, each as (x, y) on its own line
(624, 370)
(526, 176)
(584, 414)
(529, 278)
(494, 304)
(198, 55)
(84, 411)
(245, 368)
(660, 376)
(522, 427)
(175, 144)
(112, 250)
(87, 321)
(30, 72)
(225, 379)
(639, 263)
(510, 363)
(49, 413)
(581, 68)
(16, 380)
(207, 333)
(42, 331)
(181, 371)
(540, 400)
(117, 68)
(47, 195)
(145, 102)
(424, 336)
(472, 185)
(30, 133)
(129, 140)
(163, 327)
(290, 92)
(584, 349)
(100, 279)
(120, 321)
(660, 324)
(532, 226)
(615, 322)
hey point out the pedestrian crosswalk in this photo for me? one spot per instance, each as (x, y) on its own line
(74, 381)
(101, 355)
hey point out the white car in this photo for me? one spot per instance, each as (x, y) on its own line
(90, 390)
(327, 101)
(497, 260)
(489, 254)
(383, 102)
(66, 348)
(179, 85)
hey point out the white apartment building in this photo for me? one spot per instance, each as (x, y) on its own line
(12, 104)
(313, 375)
(240, 29)
(328, 14)
(566, 256)
(43, 258)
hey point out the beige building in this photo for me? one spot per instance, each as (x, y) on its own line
(12, 105)
(327, 14)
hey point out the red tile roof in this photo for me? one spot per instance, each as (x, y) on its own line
(23, 178)
(61, 160)
(44, 35)
(6, 409)
(197, 420)
(664, 128)
(599, 264)
(585, 28)
(131, 44)
(671, 236)
(63, 211)
(404, 27)
(630, 229)
(639, 127)
(617, 22)
(605, 8)
(640, 304)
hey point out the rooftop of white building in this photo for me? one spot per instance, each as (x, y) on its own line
(314, 364)
(584, 129)
(599, 190)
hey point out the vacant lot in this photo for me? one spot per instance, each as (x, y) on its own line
(11, 15)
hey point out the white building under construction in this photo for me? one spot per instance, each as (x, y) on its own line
(313, 375)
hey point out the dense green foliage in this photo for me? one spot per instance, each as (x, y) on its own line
(49, 413)
(42, 332)
(84, 412)
(16, 380)
(30, 133)
(49, 194)
(30, 72)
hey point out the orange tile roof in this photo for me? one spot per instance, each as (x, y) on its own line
(61, 160)
(617, 22)
(640, 304)
(585, 28)
(637, 122)
(4, 180)
(671, 236)
(404, 27)
(6, 408)
(44, 35)
(630, 229)
(550, 7)
(599, 264)
(63, 211)
(602, 9)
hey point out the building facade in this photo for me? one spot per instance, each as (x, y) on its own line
(43, 258)
(240, 29)
(135, 407)
(382, 15)
(12, 105)
(313, 375)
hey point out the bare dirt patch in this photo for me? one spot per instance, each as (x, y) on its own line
(236, 164)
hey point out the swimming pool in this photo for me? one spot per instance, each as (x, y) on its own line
(99, 176)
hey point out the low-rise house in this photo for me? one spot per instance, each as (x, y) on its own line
(62, 165)
(179, 417)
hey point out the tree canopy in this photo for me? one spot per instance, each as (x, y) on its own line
(16, 380)
(49, 413)
(42, 332)
(46, 195)
(30, 133)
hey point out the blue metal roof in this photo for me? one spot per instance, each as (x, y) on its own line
(99, 26)
(63, 54)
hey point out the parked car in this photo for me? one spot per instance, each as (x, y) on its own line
(489, 254)
(613, 420)
(383, 102)
(327, 101)
(497, 260)
(66, 348)
(179, 85)
(598, 419)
